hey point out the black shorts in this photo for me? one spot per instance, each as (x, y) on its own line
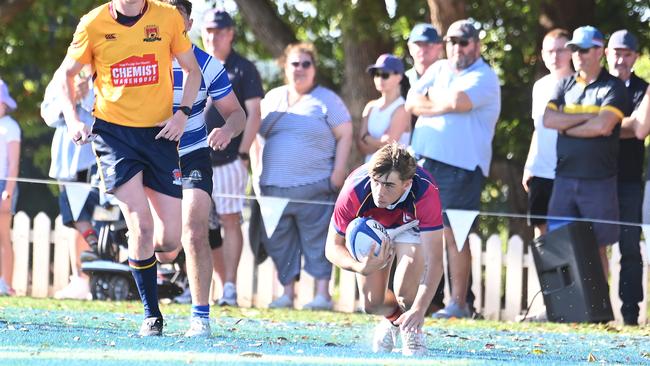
(124, 151)
(197, 170)
(539, 194)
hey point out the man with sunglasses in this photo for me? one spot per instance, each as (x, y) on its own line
(230, 164)
(458, 101)
(586, 109)
(622, 52)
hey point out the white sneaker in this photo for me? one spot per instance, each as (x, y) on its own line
(413, 344)
(199, 327)
(229, 297)
(77, 289)
(185, 297)
(281, 302)
(385, 337)
(318, 303)
(453, 310)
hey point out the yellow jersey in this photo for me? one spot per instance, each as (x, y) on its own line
(133, 64)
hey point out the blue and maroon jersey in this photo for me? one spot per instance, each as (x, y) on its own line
(421, 202)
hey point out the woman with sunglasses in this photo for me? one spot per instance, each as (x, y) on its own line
(308, 135)
(384, 119)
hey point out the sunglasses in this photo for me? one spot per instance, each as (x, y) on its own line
(458, 41)
(582, 51)
(381, 74)
(304, 64)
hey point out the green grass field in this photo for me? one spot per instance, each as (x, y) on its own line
(52, 332)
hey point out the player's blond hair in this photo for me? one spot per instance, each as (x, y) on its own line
(392, 157)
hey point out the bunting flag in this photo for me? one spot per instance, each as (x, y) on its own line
(271, 209)
(77, 196)
(461, 222)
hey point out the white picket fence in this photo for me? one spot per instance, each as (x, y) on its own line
(498, 276)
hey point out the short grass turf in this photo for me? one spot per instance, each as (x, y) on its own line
(52, 332)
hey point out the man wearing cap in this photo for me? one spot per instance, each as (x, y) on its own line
(621, 54)
(230, 165)
(458, 101)
(586, 110)
(425, 47)
(9, 161)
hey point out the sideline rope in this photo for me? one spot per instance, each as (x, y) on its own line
(328, 203)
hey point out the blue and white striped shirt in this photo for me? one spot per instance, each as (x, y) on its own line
(215, 84)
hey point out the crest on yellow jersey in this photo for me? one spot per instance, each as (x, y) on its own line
(151, 33)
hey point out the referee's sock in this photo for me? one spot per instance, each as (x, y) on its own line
(144, 273)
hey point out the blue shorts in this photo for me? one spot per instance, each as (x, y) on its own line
(124, 151)
(197, 170)
(589, 199)
(14, 196)
(459, 188)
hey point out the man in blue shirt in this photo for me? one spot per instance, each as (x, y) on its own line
(458, 101)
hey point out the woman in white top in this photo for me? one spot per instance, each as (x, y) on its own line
(9, 159)
(385, 120)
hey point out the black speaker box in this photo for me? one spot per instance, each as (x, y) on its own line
(571, 275)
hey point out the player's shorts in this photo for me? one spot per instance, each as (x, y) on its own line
(229, 179)
(14, 196)
(411, 236)
(539, 194)
(197, 170)
(123, 152)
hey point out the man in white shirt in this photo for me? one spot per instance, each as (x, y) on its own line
(539, 171)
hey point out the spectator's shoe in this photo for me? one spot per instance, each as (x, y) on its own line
(413, 344)
(318, 303)
(229, 297)
(281, 302)
(631, 320)
(89, 255)
(453, 310)
(77, 289)
(185, 297)
(385, 337)
(151, 327)
(4, 288)
(199, 327)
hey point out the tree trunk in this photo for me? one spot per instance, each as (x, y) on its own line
(445, 12)
(9, 8)
(363, 42)
(269, 29)
(566, 14)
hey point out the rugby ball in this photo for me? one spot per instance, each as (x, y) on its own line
(361, 233)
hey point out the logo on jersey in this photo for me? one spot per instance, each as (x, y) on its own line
(406, 217)
(177, 177)
(151, 33)
(135, 71)
(110, 36)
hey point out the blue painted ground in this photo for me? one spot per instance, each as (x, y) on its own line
(31, 336)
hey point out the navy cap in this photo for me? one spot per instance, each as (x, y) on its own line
(387, 62)
(462, 29)
(217, 18)
(586, 37)
(623, 39)
(424, 32)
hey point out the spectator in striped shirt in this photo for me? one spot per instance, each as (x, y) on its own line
(308, 135)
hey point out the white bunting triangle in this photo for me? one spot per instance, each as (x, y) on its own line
(77, 196)
(461, 221)
(271, 209)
